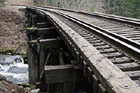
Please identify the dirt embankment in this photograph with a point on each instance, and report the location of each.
(12, 36)
(12, 31)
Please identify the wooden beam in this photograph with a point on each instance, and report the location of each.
(60, 73)
(43, 24)
(46, 31)
(102, 89)
(50, 43)
(41, 14)
(34, 20)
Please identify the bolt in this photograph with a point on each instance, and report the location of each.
(13, 91)
(133, 73)
(114, 58)
(52, 75)
(126, 86)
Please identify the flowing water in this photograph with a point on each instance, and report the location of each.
(13, 67)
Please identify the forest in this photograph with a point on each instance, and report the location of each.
(128, 8)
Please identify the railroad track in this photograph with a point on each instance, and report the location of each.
(120, 52)
(120, 25)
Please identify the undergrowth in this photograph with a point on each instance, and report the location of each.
(2, 1)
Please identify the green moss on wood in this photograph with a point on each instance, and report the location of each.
(31, 29)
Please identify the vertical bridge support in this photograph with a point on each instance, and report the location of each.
(48, 63)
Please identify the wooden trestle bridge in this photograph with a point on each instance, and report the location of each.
(77, 52)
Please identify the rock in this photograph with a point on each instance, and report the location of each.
(13, 91)
(35, 91)
(16, 37)
(18, 60)
(21, 89)
(25, 85)
(2, 78)
(7, 86)
(17, 70)
(27, 90)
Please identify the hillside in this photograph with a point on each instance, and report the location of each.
(128, 8)
(83, 5)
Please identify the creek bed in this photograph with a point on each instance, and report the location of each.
(13, 68)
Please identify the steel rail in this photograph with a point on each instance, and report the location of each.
(124, 39)
(128, 46)
(107, 16)
(131, 21)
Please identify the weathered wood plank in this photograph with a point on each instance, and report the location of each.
(50, 43)
(34, 20)
(60, 73)
(46, 31)
(33, 66)
(101, 89)
(89, 75)
(85, 68)
(32, 59)
(129, 66)
(42, 62)
(69, 87)
(30, 20)
(133, 74)
(43, 25)
(95, 83)
(112, 78)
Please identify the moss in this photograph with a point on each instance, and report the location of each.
(1, 31)
(21, 30)
(22, 53)
(31, 85)
(92, 9)
(61, 6)
(7, 51)
(13, 51)
(31, 29)
(2, 1)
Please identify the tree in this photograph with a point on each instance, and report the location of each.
(129, 8)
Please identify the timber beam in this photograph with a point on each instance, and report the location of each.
(46, 31)
(43, 24)
(48, 43)
(59, 73)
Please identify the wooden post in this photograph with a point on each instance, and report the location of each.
(32, 52)
(33, 65)
(41, 62)
(30, 20)
(34, 20)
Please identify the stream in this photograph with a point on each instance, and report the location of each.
(13, 68)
